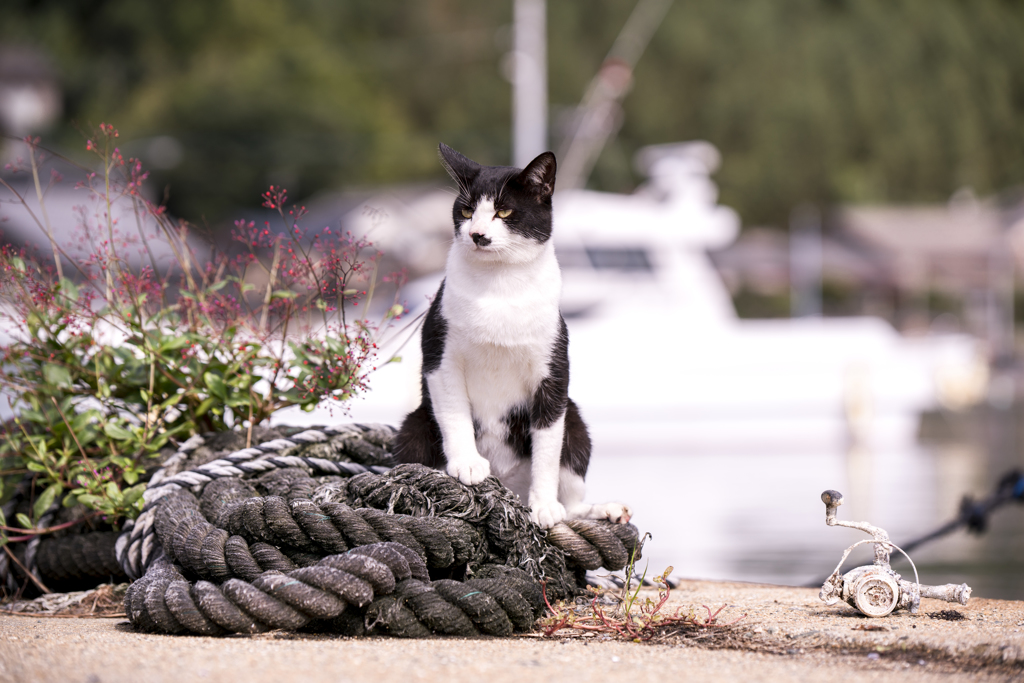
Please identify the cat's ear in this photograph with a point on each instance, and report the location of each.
(539, 175)
(461, 169)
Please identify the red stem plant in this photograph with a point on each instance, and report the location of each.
(131, 338)
(635, 618)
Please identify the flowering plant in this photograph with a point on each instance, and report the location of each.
(132, 337)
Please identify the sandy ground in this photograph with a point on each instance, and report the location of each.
(786, 635)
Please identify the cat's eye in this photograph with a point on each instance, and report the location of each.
(504, 213)
(467, 213)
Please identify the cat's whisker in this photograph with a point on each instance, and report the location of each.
(502, 189)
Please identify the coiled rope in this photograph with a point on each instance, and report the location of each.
(225, 546)
(377, 588)
(294, 516)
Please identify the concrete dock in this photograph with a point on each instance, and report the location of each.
(788, 634)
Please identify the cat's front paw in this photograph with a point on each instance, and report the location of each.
(619, 513)
(546, 515)
(470, 471)
(616, 513)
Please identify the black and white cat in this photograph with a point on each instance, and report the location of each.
(495, 350)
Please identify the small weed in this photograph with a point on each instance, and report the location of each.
(635, 618)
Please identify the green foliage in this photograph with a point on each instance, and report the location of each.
(809, 100)
(107, 371)
(840, 101)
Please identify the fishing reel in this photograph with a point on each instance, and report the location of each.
(876, 590)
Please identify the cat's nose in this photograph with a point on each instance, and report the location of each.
(479, 239)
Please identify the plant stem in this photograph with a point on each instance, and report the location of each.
(38, 582)
(270, 287)
(50, 529)
(42, 209)
(70, 429)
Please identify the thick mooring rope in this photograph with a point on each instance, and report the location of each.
(414, 491)
(135, 549)
(286, 534)
(228, 549)
(384, 584)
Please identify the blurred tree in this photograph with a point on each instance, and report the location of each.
(309, 93)
(824, 101)
(809, 100)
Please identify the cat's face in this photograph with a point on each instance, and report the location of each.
(501, 214)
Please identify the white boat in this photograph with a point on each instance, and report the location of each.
(659, 357)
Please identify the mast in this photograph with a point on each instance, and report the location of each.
(529, 81)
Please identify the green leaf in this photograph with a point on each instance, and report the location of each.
(217, 286)
(88, 499)
(3, 518)
(205, 405)
(283, 294)
(172, 400)
(216, 385)
(81, 420)
(174, 343)
(45, 499)
(131, 476)
(112, 491)
(69, 288)
(56, 375)
(133, 494)
(35, 466)
(24, 521)
(115, 431)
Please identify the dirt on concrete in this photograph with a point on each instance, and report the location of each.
(786, 634)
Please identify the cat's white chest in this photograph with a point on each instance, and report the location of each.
(510, 307)
(502, 324)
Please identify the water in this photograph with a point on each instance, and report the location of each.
(756, 515)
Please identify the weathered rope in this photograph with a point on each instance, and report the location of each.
(254, 544)
(254, 534)
(294, 517)
(385, 582)
(79, 557)
(135, 548)
(266, 537)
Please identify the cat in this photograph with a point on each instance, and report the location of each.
(495, 374)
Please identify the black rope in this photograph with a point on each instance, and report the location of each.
(282, 535)
(974, 515)
(385, 583)
(248, 555)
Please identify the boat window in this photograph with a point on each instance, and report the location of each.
(619, 259)
(606, 258)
